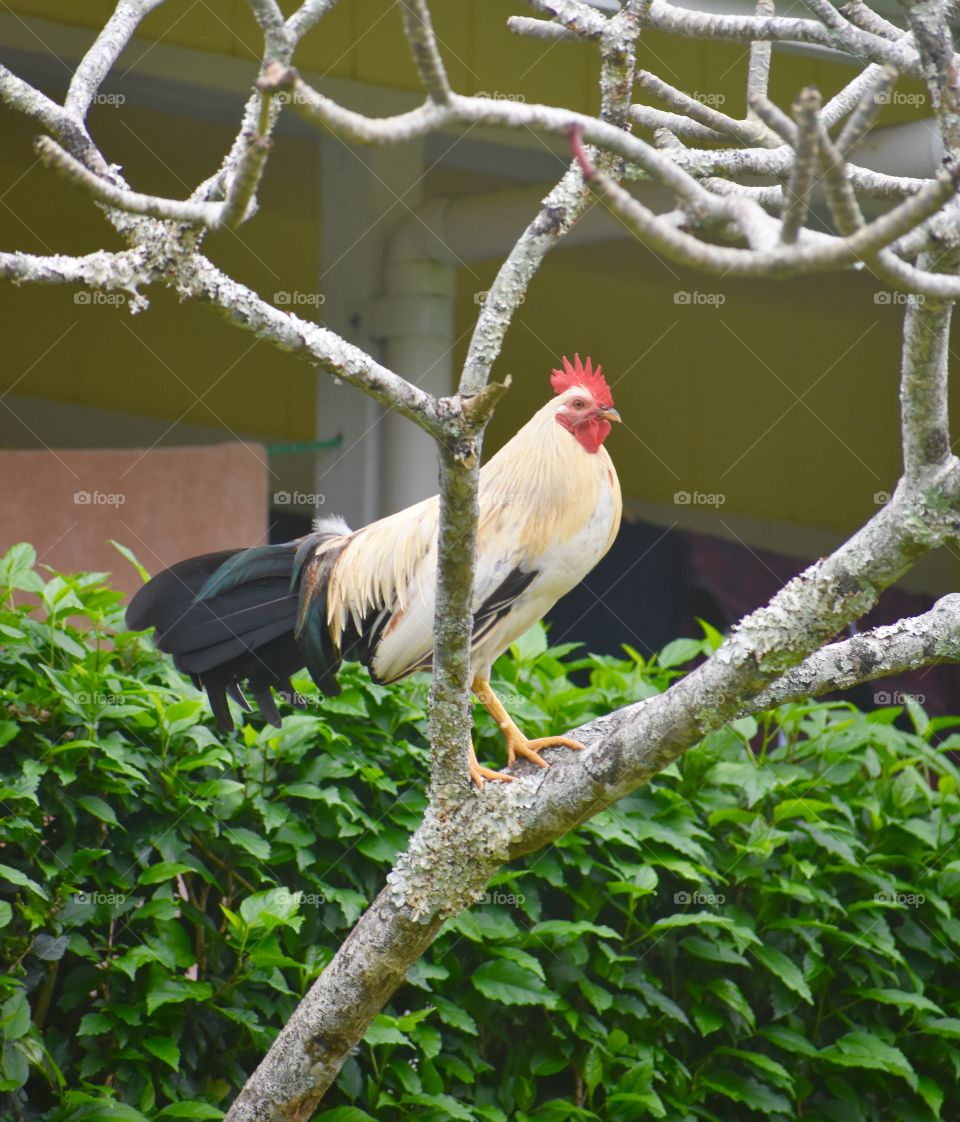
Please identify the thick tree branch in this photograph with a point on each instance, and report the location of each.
(909, 644)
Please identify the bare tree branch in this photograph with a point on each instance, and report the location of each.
(717, 225)
(423, 46)
(803, 173)
(909, 644)
(107, 48)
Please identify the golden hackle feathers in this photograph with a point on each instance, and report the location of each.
(540, 488)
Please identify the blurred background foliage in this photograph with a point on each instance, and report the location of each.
(765, 930)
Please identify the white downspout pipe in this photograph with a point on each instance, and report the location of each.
(415, 316)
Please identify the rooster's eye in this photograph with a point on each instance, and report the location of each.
(578, 403)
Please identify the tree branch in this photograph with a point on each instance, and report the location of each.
(418, 28)
(804, 171)
(107, 48)
(909, 644)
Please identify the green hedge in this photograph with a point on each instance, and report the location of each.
(754, 934)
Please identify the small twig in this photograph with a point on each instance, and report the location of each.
(775, 119)
(418, 27)
(747, 132)
(574, 16)
(758, 67)
(868, 20)
(819, 254)
(841, 197)
(132, 202)
(539, 29)
(306, 16)
(804, 171)
(97, 63)
(680, 125)
(867, 109)
(243, 186)
(694, 24)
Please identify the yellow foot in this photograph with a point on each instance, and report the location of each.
(518, 745)
(478, 773)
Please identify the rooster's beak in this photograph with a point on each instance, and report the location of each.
(610, 415)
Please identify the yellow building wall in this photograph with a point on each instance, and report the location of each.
(179, 362)
(783, 400)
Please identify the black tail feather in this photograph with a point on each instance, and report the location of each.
(229, 619)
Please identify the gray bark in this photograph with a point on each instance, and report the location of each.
(780, 652)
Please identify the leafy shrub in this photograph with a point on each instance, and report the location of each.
(765, 930)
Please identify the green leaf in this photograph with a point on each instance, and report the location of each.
(164, 1049)
(931, 1093)
(15, 1016)
(511, 984)
(16, 568)
(761, 1062)
(903, 999)
(445, 1103)
(94, 805)
(384, 1030)
(164, 990)
(163, 871)
(783, 969)
(680, 651)
(567, 930)
(190, 1108)
(864, 1050)
(748, 1091)
(129, 555)
(94, 1024)
(16, 877)
(254, 844)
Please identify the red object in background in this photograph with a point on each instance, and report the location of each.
(163, 503)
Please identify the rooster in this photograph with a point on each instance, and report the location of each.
(550, 508)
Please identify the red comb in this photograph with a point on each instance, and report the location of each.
(577, 373)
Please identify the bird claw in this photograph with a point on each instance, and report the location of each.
(478, 773)
(531, 749)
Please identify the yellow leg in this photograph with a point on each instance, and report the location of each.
(478, 773)
(517, 743)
